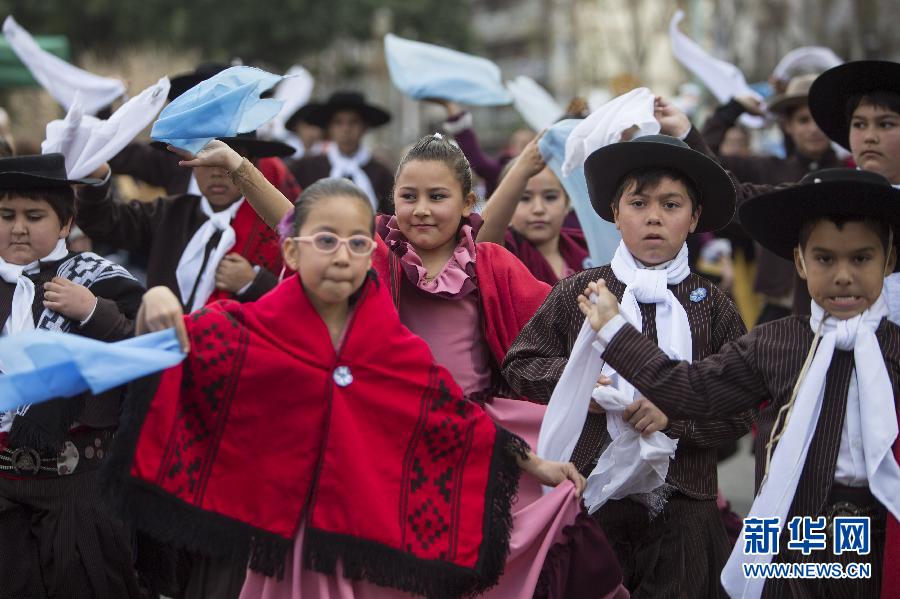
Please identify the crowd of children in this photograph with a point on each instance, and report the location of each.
(369, 362)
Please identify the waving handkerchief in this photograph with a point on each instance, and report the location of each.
(723, 79)
(87, 142)
(602, 237)
(422, 71)
(631, 464)
(41, 365)
(221, 106)
(295, 91)
(804, 61)
(534, 104)
(605, 126)
(61, 79)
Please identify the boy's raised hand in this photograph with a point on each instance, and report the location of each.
(215, 153)
(672, 121)
(603, 309)
(161, 310)
(645, 417)
(74, 301)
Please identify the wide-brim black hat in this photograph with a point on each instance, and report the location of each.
(251, 145)
(41, 171)
(605, 168)
(301, 115)
(185, 81)
(833, 89)
(774, 219)
(319, 114)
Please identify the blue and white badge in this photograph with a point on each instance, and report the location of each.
(698, 295)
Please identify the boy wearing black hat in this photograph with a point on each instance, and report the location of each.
(203, 247)
(345, 118)
(57, 538)
(657, 191)
(831, 379)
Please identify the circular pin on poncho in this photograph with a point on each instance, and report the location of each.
(342, 376)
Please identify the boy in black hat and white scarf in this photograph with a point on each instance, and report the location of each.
(345, 118)
(58, 540)
(670, 542)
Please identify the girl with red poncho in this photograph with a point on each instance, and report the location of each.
(468, 302)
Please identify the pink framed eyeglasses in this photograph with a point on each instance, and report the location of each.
(328, 243)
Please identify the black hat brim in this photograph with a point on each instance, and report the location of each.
(320, 114)
(300, 115)
(774, 219)
(260, 148)
(605, 168)
(19, 180)
(255, 148)
(833, 89)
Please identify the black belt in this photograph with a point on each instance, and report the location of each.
(844, 501)
(82, 451)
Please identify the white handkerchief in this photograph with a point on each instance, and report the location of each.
(61, 79)
(605, 126)
(633, 463)
(534, 103)
(87, 142)
(723, 79)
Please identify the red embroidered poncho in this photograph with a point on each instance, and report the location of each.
(373, 445)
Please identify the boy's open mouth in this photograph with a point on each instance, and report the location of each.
(845, 300)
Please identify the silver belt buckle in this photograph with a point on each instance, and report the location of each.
(25, 461)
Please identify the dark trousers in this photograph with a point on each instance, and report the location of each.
(58, 540)
(678, 554)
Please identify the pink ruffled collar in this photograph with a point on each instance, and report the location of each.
(453, 277)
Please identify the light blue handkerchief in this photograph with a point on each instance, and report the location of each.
(426, 71)
(222, 106)
(602, 236)
(40, 365)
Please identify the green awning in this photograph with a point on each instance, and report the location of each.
(14, 74)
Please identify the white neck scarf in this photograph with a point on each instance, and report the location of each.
(188, 271)
(650, 286)
(878, 418)
(350, 167)
(21, 317)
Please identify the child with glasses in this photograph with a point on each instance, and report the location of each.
(352, 430)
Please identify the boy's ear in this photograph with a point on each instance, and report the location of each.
(469, 203)
(799, 264)
(66, 228)
(291, 253)
(615, 210)
(891, 261)
(695, 218)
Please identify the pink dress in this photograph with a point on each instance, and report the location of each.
(445, 312)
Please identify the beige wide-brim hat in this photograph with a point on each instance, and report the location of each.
(796, 94)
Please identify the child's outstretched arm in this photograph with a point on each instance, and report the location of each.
(551, 473)
(269, 203)
(502, 204)
(723, 384)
